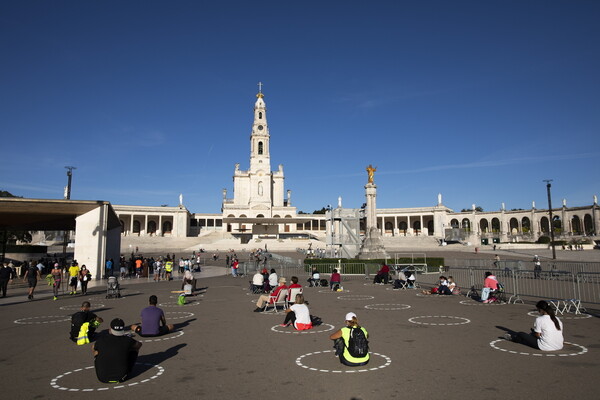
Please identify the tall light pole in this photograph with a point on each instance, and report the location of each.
(68, 187)
(548, 186)
(67, 197)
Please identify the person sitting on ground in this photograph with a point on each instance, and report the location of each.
(258, 281)
(270, 298)
(454, 289)
(298, 315)
(490, 283)
(154, 322)
(351, 345)
(314, 277)
(273, 278)
(115, 354)
(400, 282)
(383, 275)
(84, 324)
(336, 280)
(443, 286)
(547, 332)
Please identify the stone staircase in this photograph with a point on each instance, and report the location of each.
(410, 242)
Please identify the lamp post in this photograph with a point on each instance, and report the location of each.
(67, 197)
(548, 186)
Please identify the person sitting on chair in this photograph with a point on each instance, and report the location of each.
(490, 283)
(258, 280)
(400, 282)
(270, 297)
(294, 285)
(383, 275)
(154, 322)
(314, 278)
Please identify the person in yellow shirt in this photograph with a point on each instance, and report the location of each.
(73, 275)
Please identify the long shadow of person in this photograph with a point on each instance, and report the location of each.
(148, 361)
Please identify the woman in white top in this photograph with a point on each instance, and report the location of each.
(273, 281)
(547, 332)
(298, 315)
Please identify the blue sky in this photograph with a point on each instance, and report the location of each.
(478, 100)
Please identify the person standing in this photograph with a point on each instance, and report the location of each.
(115, 354)
(73, 277)
(7, 274)
(84, 277)
(57, 276)
(234, 267)
(84, 324)
(109, 267)
(32, 275)
(168, 269)
(537, 267)
(153, 320)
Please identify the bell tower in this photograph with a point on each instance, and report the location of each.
(260, 158)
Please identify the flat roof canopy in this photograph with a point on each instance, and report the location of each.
(48, 215)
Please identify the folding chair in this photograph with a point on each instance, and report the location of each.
(293, 293)
(280, 300)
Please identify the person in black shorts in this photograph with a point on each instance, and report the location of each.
(32, 275)
(115, 354)
(153, 321)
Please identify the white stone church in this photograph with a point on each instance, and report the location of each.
(261, 208)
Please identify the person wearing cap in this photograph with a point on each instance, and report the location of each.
(270, 297)
(115, 354)
(84, 324)
(57, 276)
(154, 322)
(342, 340)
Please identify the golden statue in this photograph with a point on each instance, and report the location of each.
(371, 172)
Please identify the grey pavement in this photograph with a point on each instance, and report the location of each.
(221, 349)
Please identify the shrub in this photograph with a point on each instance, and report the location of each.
(544, 240)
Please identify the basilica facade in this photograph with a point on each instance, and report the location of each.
(261, 208)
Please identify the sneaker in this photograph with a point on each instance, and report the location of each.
(284, 325)
(485, 301)
(508, 337)
(257, 309)
(55, 298)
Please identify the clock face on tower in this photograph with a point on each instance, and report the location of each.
(260, 127)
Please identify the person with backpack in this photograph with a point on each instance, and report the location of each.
(350, 343)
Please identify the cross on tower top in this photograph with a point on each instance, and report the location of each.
(260, 85)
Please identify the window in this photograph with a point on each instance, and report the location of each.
(259, 115)
(260, 147)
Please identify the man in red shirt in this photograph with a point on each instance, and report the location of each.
(270, 297)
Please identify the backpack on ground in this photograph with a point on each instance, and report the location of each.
(324, 282)
(358, 345)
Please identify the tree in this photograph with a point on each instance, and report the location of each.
(478, 209)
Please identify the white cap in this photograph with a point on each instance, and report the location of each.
(349, 316)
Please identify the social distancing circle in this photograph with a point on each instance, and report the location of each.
(439, 320)
(356, 297)
(477, 303)
(387, 307)
(168, 336)
(290, 329)
(77, 307)
(570, 349)
(377, 361)
(46, 319)
(179, 314)
(55, 382)
(175, 304)
(563, 316)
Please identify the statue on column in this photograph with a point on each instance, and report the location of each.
(371, 172)
(439, 199)
(180, 199)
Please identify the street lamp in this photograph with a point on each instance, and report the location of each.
(548, 186)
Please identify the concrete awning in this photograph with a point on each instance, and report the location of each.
(48, 214)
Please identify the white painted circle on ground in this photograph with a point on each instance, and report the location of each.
(387, 307)
(55, 385)
(46, 319)
(176, 296)
(174, 303)
(290, 329)
(332, 291)
(539, 353)
(376, 284)
(364, 368)
(77, 307)
(356, 297)
(563, 316)
(179, 314)
(477, 303)
(416, 320)
(168, 336)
